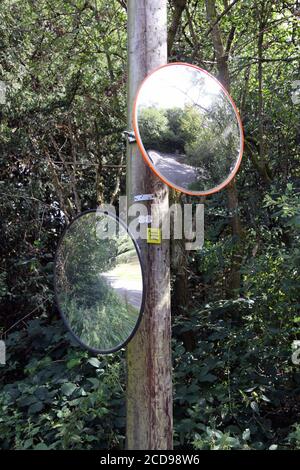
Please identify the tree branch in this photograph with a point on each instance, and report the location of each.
(179, 8)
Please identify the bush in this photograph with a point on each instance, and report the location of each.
(54, 395)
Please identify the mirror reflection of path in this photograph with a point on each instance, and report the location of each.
(170, 166)
(126, 281)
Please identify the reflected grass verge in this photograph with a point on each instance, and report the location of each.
(102, 322)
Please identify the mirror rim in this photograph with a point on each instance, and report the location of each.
(144, 153)
(56, 294)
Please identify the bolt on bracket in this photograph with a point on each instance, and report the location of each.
(130, 135)
(143, 197)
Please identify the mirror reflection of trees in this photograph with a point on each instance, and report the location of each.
(188, 125)
(98, 282)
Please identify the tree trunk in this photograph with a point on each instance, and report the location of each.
(262, 12)
(234, 281)
(149, 379)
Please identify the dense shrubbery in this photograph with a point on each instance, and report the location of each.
(235, 383)
(237, 389)
(57, 396)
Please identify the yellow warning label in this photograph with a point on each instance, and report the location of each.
(154, 235)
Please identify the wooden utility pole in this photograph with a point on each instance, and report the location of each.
(149, 369)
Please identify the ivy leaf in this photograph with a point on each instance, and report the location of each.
(35, 408)
(94, 362)
(41, 446)
(68, 388)
(208, 378)
(28, 443)
(254, 407)
(246, 434)
(273, 447)
(73, 362)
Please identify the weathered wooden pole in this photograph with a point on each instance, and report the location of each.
(149, 369)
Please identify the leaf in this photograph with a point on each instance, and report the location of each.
(95, 382)
(28, 443)
(94, 362)
(42, 393)
(68, 388)
(73, 362)
(254, 407)
(208, 378)
(41, 446)
(273, 447)
(26, 401)
(246, 434)
(35, 408)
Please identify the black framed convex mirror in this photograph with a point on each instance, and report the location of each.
(99, 281)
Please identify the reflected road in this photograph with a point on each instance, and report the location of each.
(172, 167)
(126, 281)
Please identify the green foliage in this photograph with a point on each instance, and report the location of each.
(104, 323)
(63, 399)
(64, 65)
(154, 125)
(293, 439)
(234, 385)
(240, 380)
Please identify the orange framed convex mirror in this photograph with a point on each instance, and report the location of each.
(188, 129)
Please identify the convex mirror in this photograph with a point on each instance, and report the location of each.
(99, 282)
(188, 129)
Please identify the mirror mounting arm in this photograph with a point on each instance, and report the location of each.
(130, 135)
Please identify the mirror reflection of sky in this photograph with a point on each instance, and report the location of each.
(180, 86)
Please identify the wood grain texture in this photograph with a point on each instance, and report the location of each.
(149, 369)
